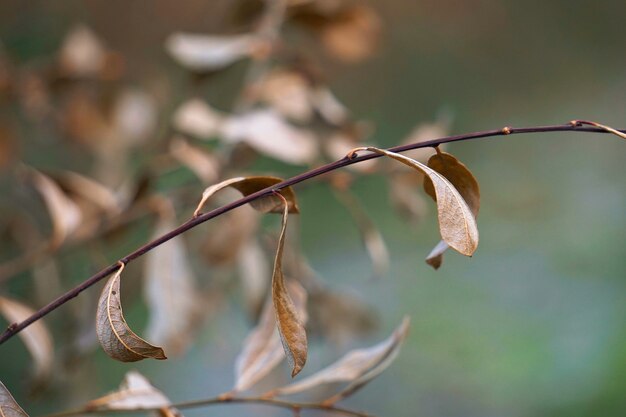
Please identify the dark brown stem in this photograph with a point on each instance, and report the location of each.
(17, 327)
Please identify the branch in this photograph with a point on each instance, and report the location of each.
(221, 400)
(574, 126)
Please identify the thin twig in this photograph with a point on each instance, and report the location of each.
(224, 400)
(14, 328)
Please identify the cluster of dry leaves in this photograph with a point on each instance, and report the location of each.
(285, 112)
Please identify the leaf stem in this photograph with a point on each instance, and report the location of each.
(15, 328)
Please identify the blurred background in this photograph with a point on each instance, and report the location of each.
(533, 324)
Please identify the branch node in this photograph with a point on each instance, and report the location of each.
(506, 130)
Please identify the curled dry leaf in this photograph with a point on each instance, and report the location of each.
(456, 220)
(36, 337)
(64, 213)
(8, 406)
(250, 185)
(465, 183)
(116, 338)
(205, 165)
(209, 53)
(262, 350)
(290, 323)
(268, 133)
(170, 291)
(357, 367)
(197, 118)
(135, 392)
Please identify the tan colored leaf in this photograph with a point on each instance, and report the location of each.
(170, 291)
(36, 337)
(268, 133)
(250, 185)
(210, 53)
(329, 107)
(289, 93)
(262, 350)
(290, 323)
(82, 53)
(465, 183)
(8, 406)
(354, 34)
(457, 224)
(357, 367)
(65, 214)
(135, 392)
(135, 116)
(116, 338)
(91, 190)
(197, 118)
(205, 165)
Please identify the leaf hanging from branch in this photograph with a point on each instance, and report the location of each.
(456, 221)
(262, 350)
(465, 183)
(250, 185)
(290, 324)
(357, 367)
(8, 406)
(116, 338)
(36, 337)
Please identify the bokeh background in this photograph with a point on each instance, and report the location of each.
(533, 324)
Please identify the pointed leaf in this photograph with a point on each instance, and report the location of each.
(36, 337)
(116, 338)
(8, 406)
(290, 322)
(195, 117)
(250, 185)
(262, 350)
(456, 221)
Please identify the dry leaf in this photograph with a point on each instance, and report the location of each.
(329, 107)
(262, 349)
(170, 291)
(290, 322)
(8, 406)
(357, 367)
(465, 183)
(289, 93)
(116, 338)
(250, 185)
(135, 392)
(210, 53)
(254, 275)
(353, 35)
(36, 337)
(197, 118)
(82, 54)
(135, 116)
(268, 133)
(456, 221)
(91, 190)
(65, 214)
(205, 165)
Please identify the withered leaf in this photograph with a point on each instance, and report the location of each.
(65, 214)
(456, 221)
(170, 291)
(357, 367)
(290, 323)
(116, 338)
(353, 34)
(262, 349)
(82, 53)
(205, 165)
(268, 133)
(250, 185)
(288, 92)
(135, 392)
(197, 118)
(36, 337)
(93, 191)
(209, 53)
(8, 406)
(466, 184)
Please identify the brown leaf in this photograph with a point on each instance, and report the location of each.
(116, 338)
(262, 350)
(466, 184)
(91, 190)
(289, 93)
(82, 53)
(170, 291)
(135, 392)
(197, 118)
(268, 133)
(210, 53)
(357, 367)
(205, 165)
(36, 337)
(250, 185)
(354, 34)
(456, 221)
(8, 406)
(290, 322)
